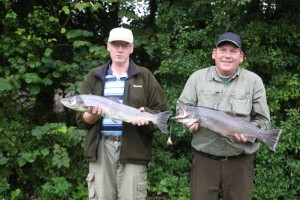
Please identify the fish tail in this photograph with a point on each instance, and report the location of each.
(162, 121)
(271, 138)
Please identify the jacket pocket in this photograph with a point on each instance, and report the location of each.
(241, 104)
(208, 99)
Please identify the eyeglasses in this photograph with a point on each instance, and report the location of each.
(117, 45)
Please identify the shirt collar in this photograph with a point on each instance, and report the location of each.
(214, 75)
(110, 72)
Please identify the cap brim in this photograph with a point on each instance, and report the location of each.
(221, 41)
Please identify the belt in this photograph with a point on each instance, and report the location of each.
(221, 158)
(113, 138)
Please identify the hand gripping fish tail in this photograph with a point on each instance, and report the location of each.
(162, 121)
(271, 138)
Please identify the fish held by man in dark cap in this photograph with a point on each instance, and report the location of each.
(225, 124)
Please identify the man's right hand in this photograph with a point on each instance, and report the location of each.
(92, 114)
(194, 127)
(95, 110)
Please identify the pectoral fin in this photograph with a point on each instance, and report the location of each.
(251, 139)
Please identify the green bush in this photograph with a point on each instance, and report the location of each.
(46, 162)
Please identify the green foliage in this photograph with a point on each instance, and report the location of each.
(43, 155)
(278, 174)
(58, 187)
(170, 178)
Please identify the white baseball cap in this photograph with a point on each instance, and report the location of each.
(121, 34)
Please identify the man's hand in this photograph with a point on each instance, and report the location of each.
(240, 137)
(138, 120)
(194, 127)
(92, 114)
(96, 110)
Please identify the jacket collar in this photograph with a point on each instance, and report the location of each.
(101, 71)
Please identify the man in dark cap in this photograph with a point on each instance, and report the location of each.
(221, 165)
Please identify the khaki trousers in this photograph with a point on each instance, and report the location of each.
(108, 179)
(233, 178)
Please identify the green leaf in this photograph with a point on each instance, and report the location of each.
(5, 85)
(20, 31)
(48, 52)
(35, 90)
(56, 74)
(47, 81)
(53, 19)
(15, 194)
(45, 152)
(62, 30)
(78, 33)
(34, 64)
(20, 61)
(3, 159)
(66, 10)
(122, 13)
(60, 158)
(82, 6)
(79, 43)
(27, 157)
(63, 129)
(32, 78)
(97, 6)
(52, 40)
(11, 15)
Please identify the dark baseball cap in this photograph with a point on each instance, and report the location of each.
(230, 37)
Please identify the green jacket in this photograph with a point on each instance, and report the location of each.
(244, 94)
(141, 90)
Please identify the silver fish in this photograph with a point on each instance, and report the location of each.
(225, 124)
(115, 110)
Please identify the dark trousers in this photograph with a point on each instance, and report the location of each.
(232, 178)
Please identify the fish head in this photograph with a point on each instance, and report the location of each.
(74, 102)
(184, 114)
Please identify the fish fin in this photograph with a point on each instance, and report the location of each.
(232, 114)
(250, 139)
(271, 138)
(202, 124)
(114, 120)
(162, 121)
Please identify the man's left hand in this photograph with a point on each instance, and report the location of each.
(138, 120)
(240, 137)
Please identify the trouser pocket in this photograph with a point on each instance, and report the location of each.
(140, 192)
(92, 191)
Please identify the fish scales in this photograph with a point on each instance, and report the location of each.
(114, 109)
(225, 123)
(233, 124)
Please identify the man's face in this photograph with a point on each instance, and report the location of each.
(227, 58)
(119, 51)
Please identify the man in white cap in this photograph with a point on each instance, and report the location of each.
(221, 165)
(119, 152)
